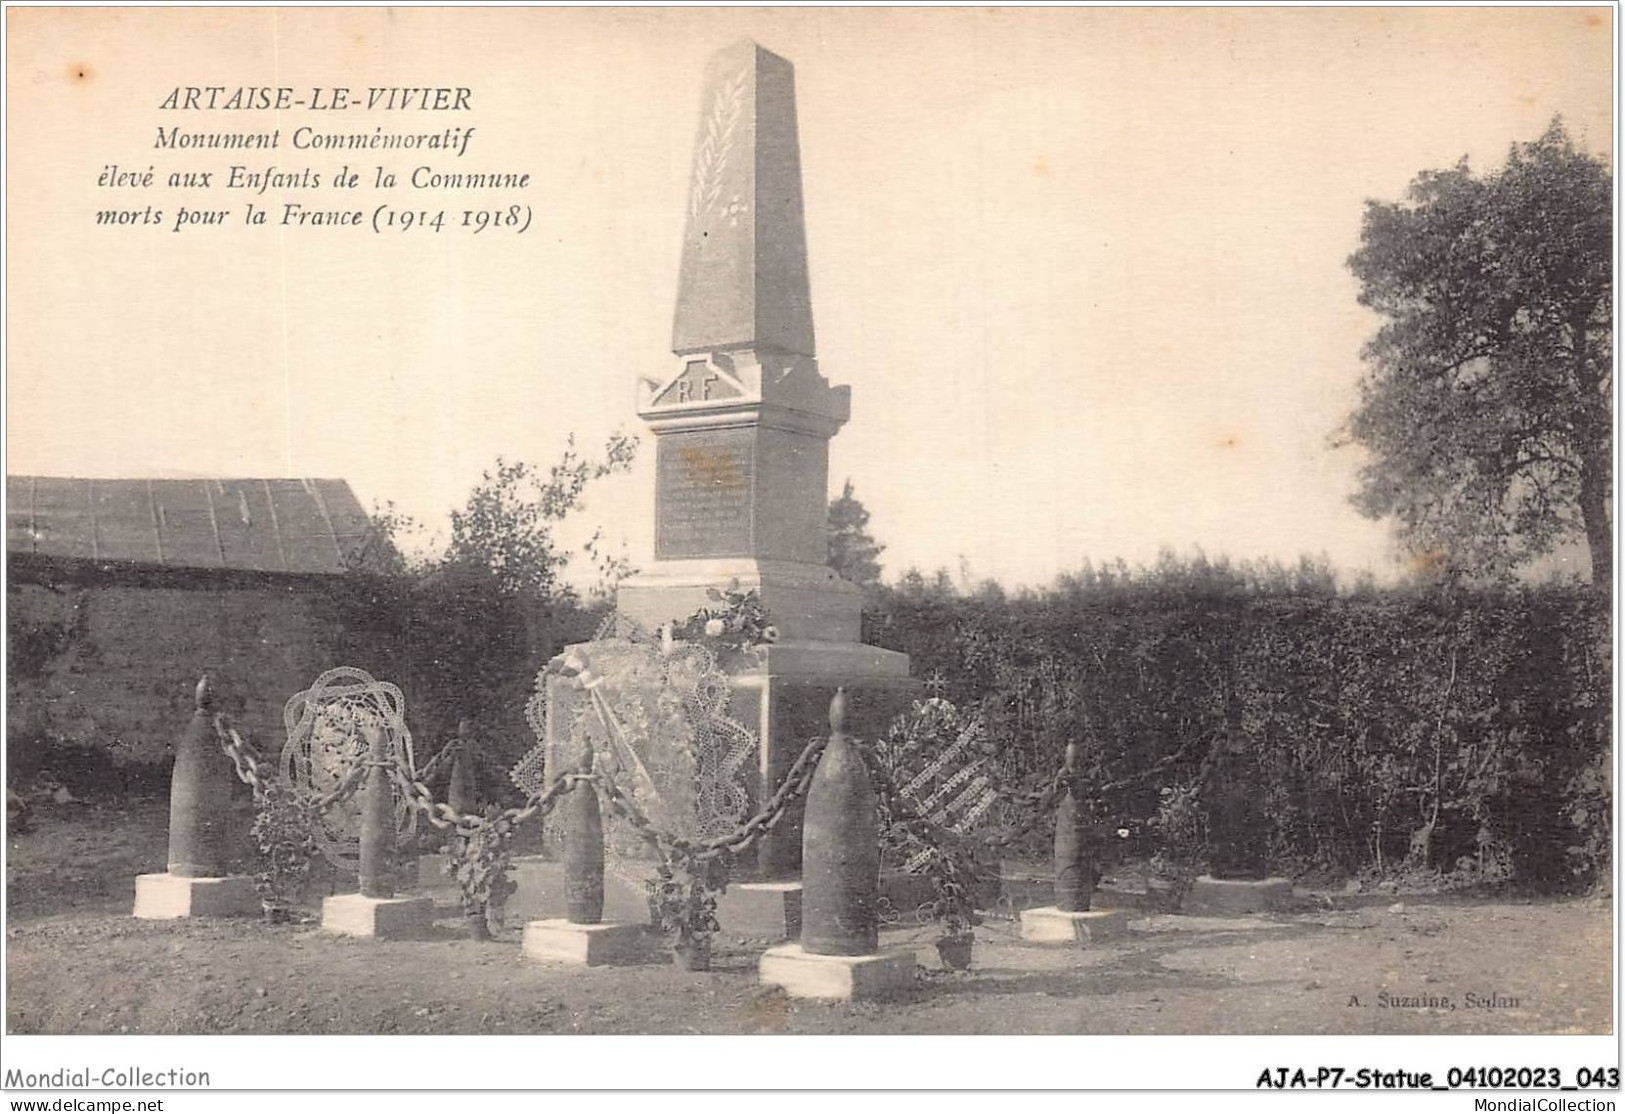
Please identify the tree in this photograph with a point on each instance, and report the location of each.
(505, 532)
(465, 631)
(915, 587)
(852, 552)
(1486, 402)
(379, 552)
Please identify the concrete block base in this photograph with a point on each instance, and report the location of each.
(1049, 925)
(382, 918)
(590, 945)
(839, 978)
(165, 896)
(1228, 897)
(761, 910)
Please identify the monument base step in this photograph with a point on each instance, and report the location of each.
(541, 891)
(808, 601)
(1220, 897)
(1056, 926)
(839, 978)
(381, 918)
(166, 896)
(761, 910)
(589, 945)
(1021, 888)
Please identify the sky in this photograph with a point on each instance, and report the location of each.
(1083, 269)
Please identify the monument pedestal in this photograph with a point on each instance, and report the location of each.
(382, 918)
(840, 978)
(792, 686)
(761, 910)
(1056, 926)
(589, 945)
(1228, 897)
(166, 896)
(432, 873)
(541, 890)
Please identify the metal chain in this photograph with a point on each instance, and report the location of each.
(1043, 800)
(242, 755)
(432, 766)
(443, 816)
(665, 844)
(249, 768)
(796, 782)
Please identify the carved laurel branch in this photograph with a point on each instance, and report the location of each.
(712, 159)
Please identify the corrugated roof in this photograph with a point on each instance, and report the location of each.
(265, 525)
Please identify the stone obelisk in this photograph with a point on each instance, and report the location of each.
(742, 423)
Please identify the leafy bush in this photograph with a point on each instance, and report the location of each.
(284, 834)
(1179, 835)
(481, 863)
(683, 895)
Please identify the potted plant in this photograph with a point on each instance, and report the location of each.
(683, 904)
(952, 871)
(284, 834)
(481, 862)
(947, 864)
(958, 939)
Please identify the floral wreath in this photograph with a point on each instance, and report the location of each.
(660, 694)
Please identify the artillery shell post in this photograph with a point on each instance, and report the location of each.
(196, 883)
(838, 956)
(376, 911)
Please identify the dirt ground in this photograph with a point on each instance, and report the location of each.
(76, 962)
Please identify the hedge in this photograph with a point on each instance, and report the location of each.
(1465, 733)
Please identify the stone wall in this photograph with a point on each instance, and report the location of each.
(124, 685)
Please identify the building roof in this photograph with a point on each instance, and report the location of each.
(257, 525)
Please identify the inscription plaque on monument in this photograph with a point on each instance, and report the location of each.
(703, 482)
